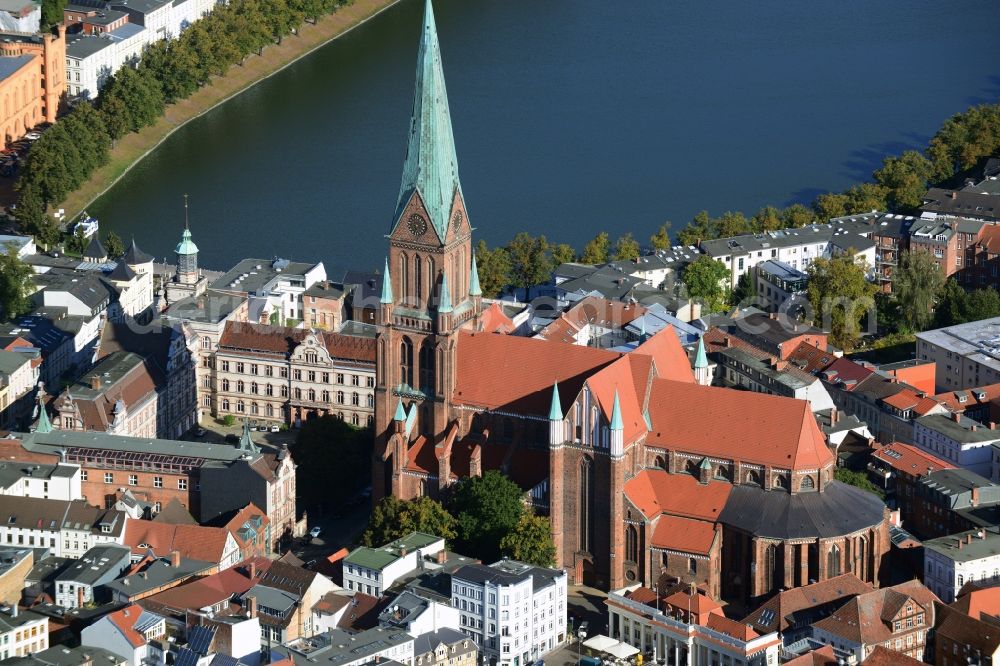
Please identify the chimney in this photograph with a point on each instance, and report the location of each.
(726, 342)
(974, 427)
(252, 569)
(402, 551)
(251, 605)
(993, 425)
(956, 417)
(968, 538)
(974, 496)
(442, 556)
(834, 415)
(95, 382)
(175, 559)
(953, 195)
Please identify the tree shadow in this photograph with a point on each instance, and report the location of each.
(863, 161)
(804, 195)
(989, 96)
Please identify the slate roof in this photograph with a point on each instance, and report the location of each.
(133, 255)
(11, 64)
(839, 509)
(803, 604)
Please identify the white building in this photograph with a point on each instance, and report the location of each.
(273, 286)
(92, 59)
(22, 633)
(673, 640)
(417, 615)
(515, 612)
(339, 648)
(958, 439)
(101, 564)
(23, 245)
(952, 561)
(67, 529)
(966, 355)
(779, 287)
(30, 479)
(132, 632)
(185, 12)
(374, 570)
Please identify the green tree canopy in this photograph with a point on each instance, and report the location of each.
(840, 297)
(905, 179)
(917, 281)
(797, 215)
(956, 306)
(596, 251)
(745, 293)
(731, 224)
(15, 285)
(114, 245)
(627, 248)
(394, 518)
(830, 205)
(697, 230)
(30, 213)
(767, 218)
(562, 253)
(858, 480)
(965, 139)
(529, 262)
(704, 279)
(661, 239)
(487, 508)
(530, 542)
(494, 268)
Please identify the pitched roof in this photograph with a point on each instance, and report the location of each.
(133, 255)
(705, 420)
(737, 630)
(131, 621)
(683, 534)
(656, 491)
(978, 601)
(909, 459)
(174, 513)
(846, 372)
(823, 656)
(495, 320)
(970, 631)
(194, 542)
(959, 401)
(213, 589)
(883, 656)
(862, 619)
(780, 611)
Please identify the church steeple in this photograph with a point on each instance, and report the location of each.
(431, 167)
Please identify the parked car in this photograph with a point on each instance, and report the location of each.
(315, 532)
(200, 432)
(32, 136)
(276, 428)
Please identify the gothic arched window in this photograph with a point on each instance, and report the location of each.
(586, 502)
(631, 544)
(404, 278)
(427, 369)
(833, 562)
(807, 483)
(406, 362)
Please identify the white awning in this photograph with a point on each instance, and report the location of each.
(622, 650)
(600, 642)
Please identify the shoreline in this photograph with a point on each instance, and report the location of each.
(136, 146)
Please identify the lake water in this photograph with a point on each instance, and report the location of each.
(570, 117)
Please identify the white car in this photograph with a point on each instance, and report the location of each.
(275, 428)
(315, 532)
(32, 136)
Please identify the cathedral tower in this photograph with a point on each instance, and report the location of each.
(428, 280)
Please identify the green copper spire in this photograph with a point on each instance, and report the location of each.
(186, 246)
(616, 414)
(44, 425)
(386, 285)
(555, 411)
(705, 464)
(431, 168)
(246, 442)
(474, 288)
(700, 360)
(445, 304)
(400, 412)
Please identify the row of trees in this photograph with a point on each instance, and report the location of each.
(963, 141)
(136, 96)
(483, 517)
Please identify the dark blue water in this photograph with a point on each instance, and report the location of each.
(570, 116)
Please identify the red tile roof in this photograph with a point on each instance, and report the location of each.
(910, 459)
(655, 492)
(846, 370)
(124, 620)
(976, 602)
(212, 589)
(863, 619)
(951, 398)
(811, 358)
(707, 420)
(823, 656)
(591, 310)
(724, 625)
(883, 656)
(717, 340)
(493, 320)
(787, 603)
(989, 238)
(683, 534)
(193, 542)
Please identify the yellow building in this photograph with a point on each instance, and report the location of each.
(32, 80)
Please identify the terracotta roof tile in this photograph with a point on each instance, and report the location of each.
(952, 399)
(976, 602)
(724, 625)
(861, 620)
(811, 358)
(655, 492)
(493, 320)
(910, 459)
(786, 604)
(989, 238)
(193, 542)
(125, 620)
(210, 590)
(823, 656)
(846, 371)
(955, 625)
(706, 420)
(883, 656)
(683, 534)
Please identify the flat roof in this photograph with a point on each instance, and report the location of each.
(254, 276)
(52, 442)
(983, 543)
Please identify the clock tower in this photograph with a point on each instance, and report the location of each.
(428, 277)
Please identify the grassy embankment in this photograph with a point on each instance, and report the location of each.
(136, 145)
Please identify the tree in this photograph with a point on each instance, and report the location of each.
(77, 242)
(745, 294)
(858, 480)
(15, 285)
(697, 230)
(627, 248)
(114, 245)
(964, 139)
(529, 263)
(704, 281)
(332, 461)
(487, 508)
(840, 297)
(30, 213)
(767, 218)
(394, 518)
(905, 178)
(917, 281)
(115, 117)
(561, 254)
(797, 215)
(494, 268)
(661, 239)
(952, 305)
(52, 12)
(596, 251)
(531, 542)
(831, 205)
(866, 197)
(731, 224)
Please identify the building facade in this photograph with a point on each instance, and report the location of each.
(33, 80)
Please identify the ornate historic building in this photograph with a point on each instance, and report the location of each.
(643, 472)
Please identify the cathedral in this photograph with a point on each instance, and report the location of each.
(646, 472)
